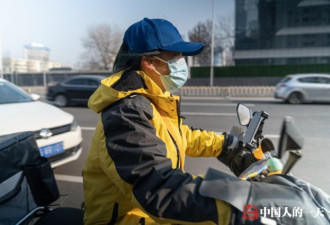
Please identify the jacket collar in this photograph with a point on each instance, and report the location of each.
(106, 95)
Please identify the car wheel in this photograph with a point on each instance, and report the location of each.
(295, 98)
(61, 101)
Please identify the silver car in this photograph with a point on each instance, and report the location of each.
(301, 88)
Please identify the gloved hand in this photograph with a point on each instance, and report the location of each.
(235, 156)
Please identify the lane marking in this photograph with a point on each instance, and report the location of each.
(79, 179)
(196, 113)
(88, 128)
(69, 178)
(266, 135)
(213, 104)
(272, 135)
(207, 114)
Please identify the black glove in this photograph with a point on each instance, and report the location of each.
(235, 156)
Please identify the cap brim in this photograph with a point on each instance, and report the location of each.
(187, 48)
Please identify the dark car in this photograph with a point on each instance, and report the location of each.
(76, 89)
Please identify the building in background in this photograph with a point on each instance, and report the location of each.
(36, 59)
(36, 51)
(279, 32)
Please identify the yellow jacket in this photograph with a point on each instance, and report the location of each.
(134, 172)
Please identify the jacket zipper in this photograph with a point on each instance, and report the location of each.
(179, 115)
(177, 150)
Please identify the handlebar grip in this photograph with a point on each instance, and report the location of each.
(258, 153)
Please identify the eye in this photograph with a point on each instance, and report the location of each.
(178, 54)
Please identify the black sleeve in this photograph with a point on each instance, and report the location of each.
(140, 160)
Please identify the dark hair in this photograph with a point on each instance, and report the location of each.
(126, 60)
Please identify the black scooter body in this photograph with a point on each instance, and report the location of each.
(277, 191)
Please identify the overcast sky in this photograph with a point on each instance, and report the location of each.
(61, 24)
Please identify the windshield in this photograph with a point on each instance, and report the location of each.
(285, 79)
(9, 93)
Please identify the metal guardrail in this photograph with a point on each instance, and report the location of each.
(229, 92)
(40, 90)
(192, 91)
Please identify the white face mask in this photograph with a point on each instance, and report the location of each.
(178, 75)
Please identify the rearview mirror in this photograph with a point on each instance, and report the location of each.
(291, 138)
(243, 114)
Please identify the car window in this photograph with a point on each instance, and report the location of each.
(309, 80)
(83, 81)
(324, 80)
(12, 94)
(315, 80)
(93, 82)
(76, 82)
(285, 79)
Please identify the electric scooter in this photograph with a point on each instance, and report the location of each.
(266, 192)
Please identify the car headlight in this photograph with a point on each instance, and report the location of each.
(74, 126)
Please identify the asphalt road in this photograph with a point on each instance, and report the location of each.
(219, 115)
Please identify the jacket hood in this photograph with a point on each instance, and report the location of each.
(120, 85)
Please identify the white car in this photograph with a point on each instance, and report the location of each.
(57, 133)
(301, 88)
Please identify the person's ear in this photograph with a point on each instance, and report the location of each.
(147, 62)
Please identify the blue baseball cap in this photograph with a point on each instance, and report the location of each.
(149, 35)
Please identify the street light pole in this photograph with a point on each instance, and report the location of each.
(212, 48)
(1, 69)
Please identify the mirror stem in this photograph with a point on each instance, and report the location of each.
(293, 158)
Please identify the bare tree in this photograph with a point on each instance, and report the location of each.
(101, 46)
(223, 39)
(226, 31)
(226, 37)
(202, 33)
